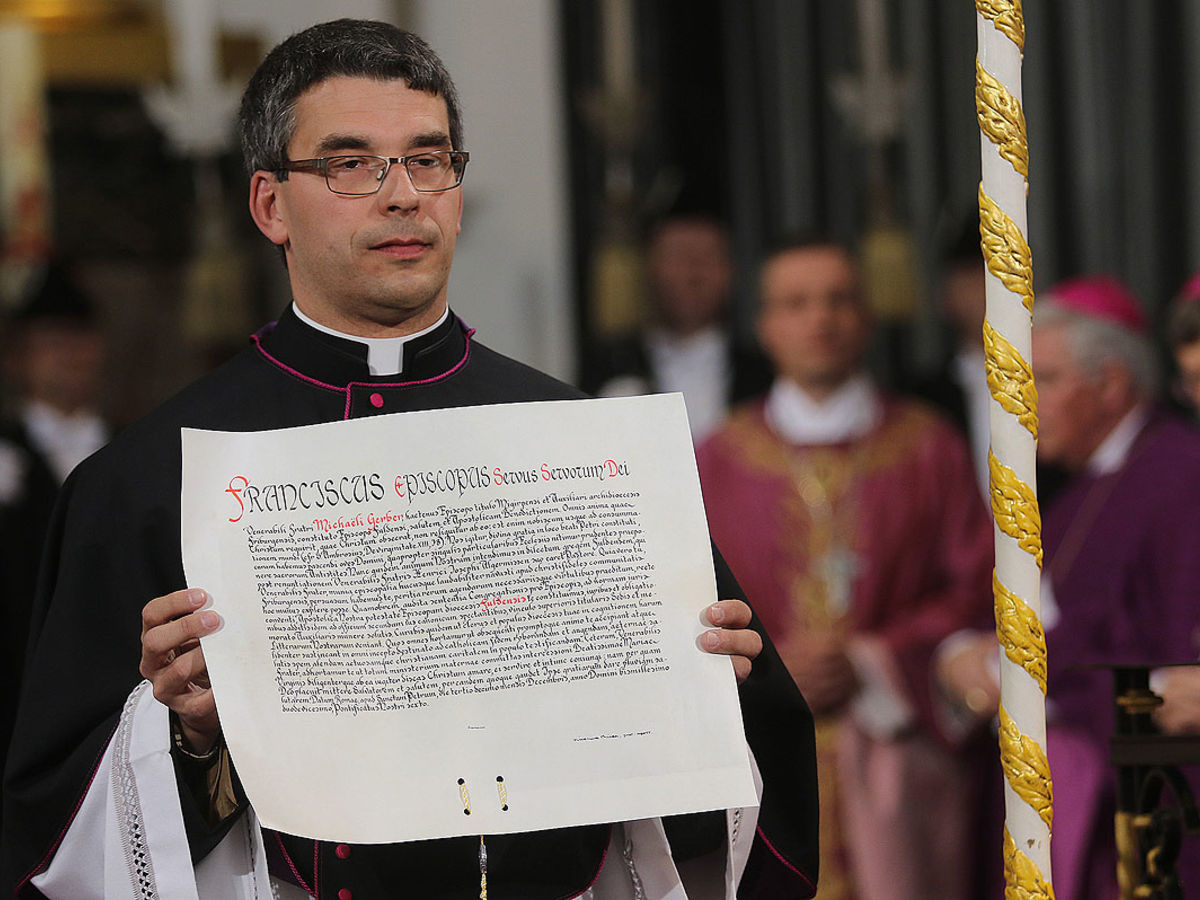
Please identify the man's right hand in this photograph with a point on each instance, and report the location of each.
(173, 662)
(822, 670)
(967, 674)
(1180, 713)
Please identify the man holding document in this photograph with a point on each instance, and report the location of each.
(124, 788)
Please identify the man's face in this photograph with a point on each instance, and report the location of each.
(1187, 358)
(690, 274)
(63, 365)
(366, 265)
(812, 323)
(1073, 418)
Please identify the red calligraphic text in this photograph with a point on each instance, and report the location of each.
(498, 600)
(374, 519)
(328, 525)
(236, 485)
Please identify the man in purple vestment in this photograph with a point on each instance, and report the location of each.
(1180, 713)
(1121, 579)
(854, 523)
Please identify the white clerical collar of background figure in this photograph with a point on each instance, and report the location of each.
(1112, 452)
(385, 356)
(847, 414)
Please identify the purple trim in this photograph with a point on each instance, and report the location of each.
(293, 372)
(347, 390)
(779, 856)
(45, 861)
(291, 865)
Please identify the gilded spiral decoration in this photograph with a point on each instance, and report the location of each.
(1026, 768)
(1005, 249)
(1015, 507)
(1005, 168)
(1009, 378)
(1020, 632)
(1001, 119)
(1022, 879)
(1007, 17)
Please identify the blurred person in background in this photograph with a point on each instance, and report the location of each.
(854, 522)
(1180, 688)
(1121, 574)
(687, 345)
(54, 358)
(28, 488)
(958, 386)
(56, 364)
(1183, 338)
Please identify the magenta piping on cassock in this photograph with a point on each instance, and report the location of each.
(292, 865)
(779, 856)
(257, 338)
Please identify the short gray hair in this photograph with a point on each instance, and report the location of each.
(349, 47)
(1095, 343)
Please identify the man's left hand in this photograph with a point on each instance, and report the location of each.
(1180, 713)
(732, 636)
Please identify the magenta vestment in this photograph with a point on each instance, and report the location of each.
(885, 540)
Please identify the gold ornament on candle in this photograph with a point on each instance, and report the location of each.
(1007, 17)
(1026, 768)
(1001, 119)
(1022, 877)
(1020, 632)
(1010, 378)
(1014, 505)
(1005, 249)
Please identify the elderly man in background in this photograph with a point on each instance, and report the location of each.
(853, 521)
(1122, 574)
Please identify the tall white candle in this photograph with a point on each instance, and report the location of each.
(1007, 338)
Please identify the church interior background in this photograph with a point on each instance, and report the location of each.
(585, 118)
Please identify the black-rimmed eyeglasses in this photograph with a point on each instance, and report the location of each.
(429, 173)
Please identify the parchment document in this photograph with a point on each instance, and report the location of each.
(464, 621)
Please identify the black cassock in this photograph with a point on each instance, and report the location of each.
(115, 544)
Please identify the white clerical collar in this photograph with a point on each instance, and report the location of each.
(849, 413)
(698, 366)
(1114, 449)
(65, 439)
(385, 356)
(968, 370)
(707, 339)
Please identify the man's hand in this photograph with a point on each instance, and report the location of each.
(732, 636)
(968, 676)
(822, 670)
(1180, 712)
(173, 662)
